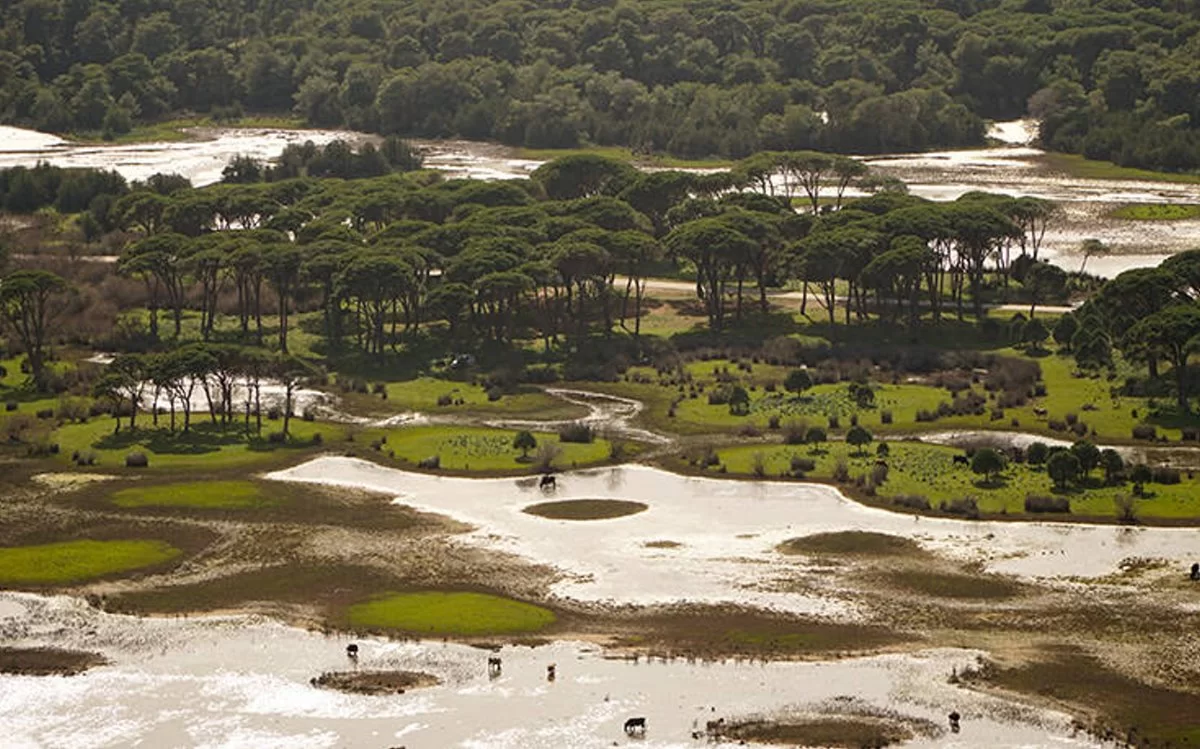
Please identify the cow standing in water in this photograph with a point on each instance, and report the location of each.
(548, 482)
(635, 727)
(1196, 571)
(493, 666)
(954, 719)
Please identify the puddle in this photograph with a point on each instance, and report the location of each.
(609, 414)
(728, 531)
(244, 682)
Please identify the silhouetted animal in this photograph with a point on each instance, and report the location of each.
(548, 482)
(1196, 571)
(635, 726)
(961, 460)
(714, 728)
(954, 718)
(1039, 411)
(352, 650)
(550, 672)
(493, 665)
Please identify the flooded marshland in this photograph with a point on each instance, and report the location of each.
(245, 682)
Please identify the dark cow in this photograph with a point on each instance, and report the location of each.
(635, 727)
(493, 665)
(548, 482)
(551, 672)
(954, 718)
(715, 729)
(352, 651)
(1196, 571)
(961, 460)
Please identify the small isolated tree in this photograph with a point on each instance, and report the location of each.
(859, 437)
(1065, 330)
(862, 394)
(739, 401)
(1063, 468)
(882, 451)
(988, 462)
(815, 436)
(1088, 455)
(1114, 466)
(1140, 476)
(29, 303)
(1125, 508)
(1035, 333)
(524, 441)
(798, 381)
(1037, 453)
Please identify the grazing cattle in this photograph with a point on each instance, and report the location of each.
(548, 482)
(961, 460)
(635, 727)
(551, 672)
(352, 651)
(1196, 571)
(954, 718)
(493, 665)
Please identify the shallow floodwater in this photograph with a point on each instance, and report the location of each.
(1013, 167)
(200, 160)
(243, 682)
(727, 532)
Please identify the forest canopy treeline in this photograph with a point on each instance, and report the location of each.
(1115, 79)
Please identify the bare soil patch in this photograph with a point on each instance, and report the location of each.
(375, 682)
(585, 509)
(851, 733)
(865, 543)
(47, 661)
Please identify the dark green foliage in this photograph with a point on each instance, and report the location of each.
(988, 462)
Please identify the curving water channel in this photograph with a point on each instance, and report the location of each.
(244, 682)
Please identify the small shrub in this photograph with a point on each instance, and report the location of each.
(841, 471)
(432, 463)
(1071, 418)
(1079, 429)
(924, 414)
(1057, 426)
(749, 430)
(912, 502)
(833, 422)
(758, 464)
(1190, 434)
(309, 414)
(45, 413)
(494, 394)
(137, 460)
(885, 416)
(815, 436)
(617, 450)
(879, 474)
(1145, 432)
(581, 433)
(378, 388)
(773, 422)
(10, 405)
(801, 465)
(273, 413)
(1046, 503)
(84, 458)
(965, 506)
(794, 433)
(1164, 475)
(445, 399)
(317, 439)
(276, 438)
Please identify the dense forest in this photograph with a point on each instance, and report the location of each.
(1114, 79)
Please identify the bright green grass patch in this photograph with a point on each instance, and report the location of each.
(621, 154)
(72, 561)
(1078, 166)
(437, 613)
(929, 471)
(205, 445)
(461, 448)
(422, 394)
(1156, 212)
(216, 495)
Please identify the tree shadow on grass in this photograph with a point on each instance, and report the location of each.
(994, 482)
(200, 439)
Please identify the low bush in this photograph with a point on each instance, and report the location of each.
(445, 399)
(833, 422)
(885, 416)
(273, 413)
(773, 422)
(10, 405)
(1046, 503)
(137, 460)
(1164, 475)
(494, 394)
(965, 506)
(317, 439)
(45, 413)
(911, 501)
(926, 415)
(801, 465)
(1145, 432)
(433, 462)
(1190, 434)
(581, 433)
(1056, 425)
(276, 438)
(794, 433)
(841, 471)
